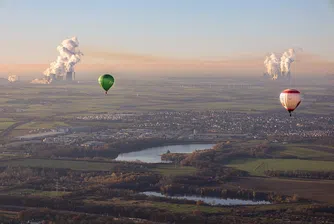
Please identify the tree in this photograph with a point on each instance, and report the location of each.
(199, 203)
(295, 198)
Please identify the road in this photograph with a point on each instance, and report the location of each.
(8, 130)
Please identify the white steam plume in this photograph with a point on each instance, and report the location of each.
(272, 64)
(280, 68)
(287, 58)
(69, 56)
(13, 78)
(40, 81)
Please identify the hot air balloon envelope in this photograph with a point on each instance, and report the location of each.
(106, 81)
(290, 99)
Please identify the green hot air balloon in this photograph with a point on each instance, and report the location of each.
(106, 81)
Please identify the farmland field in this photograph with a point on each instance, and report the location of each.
(320, 190)
(32, 192)
(41, 125)
(171, 170)
(258, 166)
(5, 124)
(53, 163)
(309, 151)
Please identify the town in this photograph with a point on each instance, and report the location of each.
(197, 126)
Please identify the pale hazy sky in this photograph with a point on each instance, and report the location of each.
(187, 29)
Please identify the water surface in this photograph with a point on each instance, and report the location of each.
(210, 200)
(153, 155)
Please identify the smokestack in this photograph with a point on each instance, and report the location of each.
(69, 76)
(73, 75)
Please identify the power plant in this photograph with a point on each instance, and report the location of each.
(53, 78)
(279, 67)
(63, 67)
(69, 76)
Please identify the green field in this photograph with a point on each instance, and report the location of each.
(5, 124)
(7, 155)
(67, 164)
(307, 151)
(6, 120)
(258, 166)
(164, 169)
(40, 125)
(32, 192)
(171, 170)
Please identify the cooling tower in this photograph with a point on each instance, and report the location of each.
(53, 77)
(69, 76)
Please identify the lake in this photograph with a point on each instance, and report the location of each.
(153, 155)
(210, 200)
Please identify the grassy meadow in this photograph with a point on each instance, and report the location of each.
(258, 166)
(67, 164)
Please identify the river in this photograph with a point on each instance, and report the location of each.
(210, 200)
(153, 155)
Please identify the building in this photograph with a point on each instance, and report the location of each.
(69, 76)
(62, 129)
(53, 77)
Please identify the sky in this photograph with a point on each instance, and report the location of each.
(180, 35)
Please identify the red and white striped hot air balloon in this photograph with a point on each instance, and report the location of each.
(290, 99)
